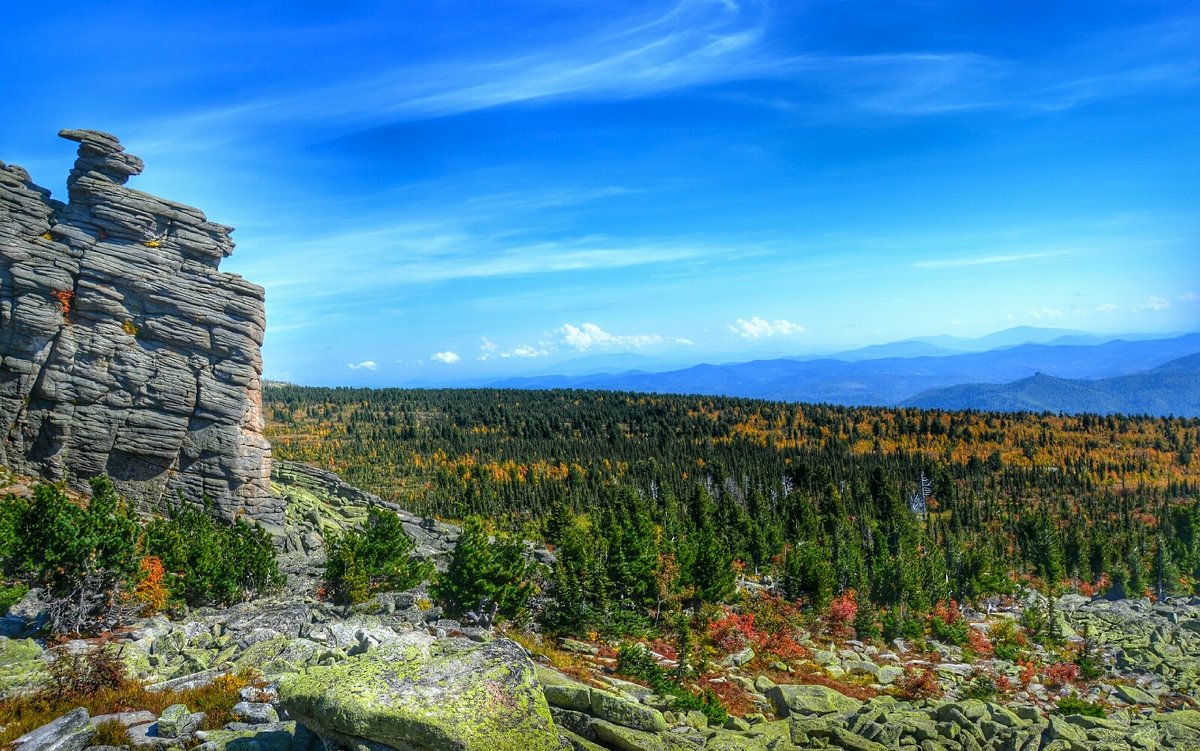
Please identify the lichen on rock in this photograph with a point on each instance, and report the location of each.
(455, 694)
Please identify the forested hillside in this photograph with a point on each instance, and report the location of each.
(647, 488)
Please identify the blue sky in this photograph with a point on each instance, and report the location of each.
(441, 190)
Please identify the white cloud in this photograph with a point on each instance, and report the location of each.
(760, 328)
(447, 357)
(490, 351)
(364, 365)
(1105, 308)
(1189, 297)
(1046, 313)
(590, 336)
(1153, 303)
(683, 341)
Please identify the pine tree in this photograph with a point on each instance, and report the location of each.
(377, 557)
(483, 572)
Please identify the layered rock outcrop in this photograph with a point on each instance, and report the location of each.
(125, 351)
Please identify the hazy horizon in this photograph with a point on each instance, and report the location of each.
(440, 193)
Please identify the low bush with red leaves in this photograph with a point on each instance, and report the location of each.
(733, 632)
(778, 625)
(840, 615)
(1061, 674)
(978, 643)
(918, 683)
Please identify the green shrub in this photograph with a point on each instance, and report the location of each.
(982, 687)
(954, 633)
(635, 661)
(897, 625)
(11, 595)
(1075, 704)
(1007, 641)
(57, 542)
(376, 557)
(1088, 659)
(83, 556)
(210, 562)
(484, 570)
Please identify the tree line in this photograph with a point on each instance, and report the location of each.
(657, 499)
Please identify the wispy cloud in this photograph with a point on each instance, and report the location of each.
(364, 365)
(692, 43)
(406, 254)
(760, 328)
(1105, 308)
(964, 261)
(1040, 313)
(447, 357)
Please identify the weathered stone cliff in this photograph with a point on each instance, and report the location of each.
(124, 350)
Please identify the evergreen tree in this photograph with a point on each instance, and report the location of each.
(807, 573)
(483, 571)
(578, 597)
(377, 557)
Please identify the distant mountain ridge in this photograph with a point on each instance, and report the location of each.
(890, 381)
(1170, 389)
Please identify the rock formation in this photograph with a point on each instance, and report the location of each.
(124, 350)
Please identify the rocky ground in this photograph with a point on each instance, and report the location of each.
(395, 674)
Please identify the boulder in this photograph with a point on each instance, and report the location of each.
(456, 694)
(627, 739)
(810, 700)
(177, 722)
(71, 732)
(254, 713)
(628, 714)
(577, 698)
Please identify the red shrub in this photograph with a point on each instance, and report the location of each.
(948, 611)
(777, 624)
(1061, 674)
(1026, 672)
(978, 643)
(151, 590)
(918, 683)
(733, 632)
(839, 617)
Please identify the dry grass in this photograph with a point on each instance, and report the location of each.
(568, 663)
(19, 715)
(111, 733)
